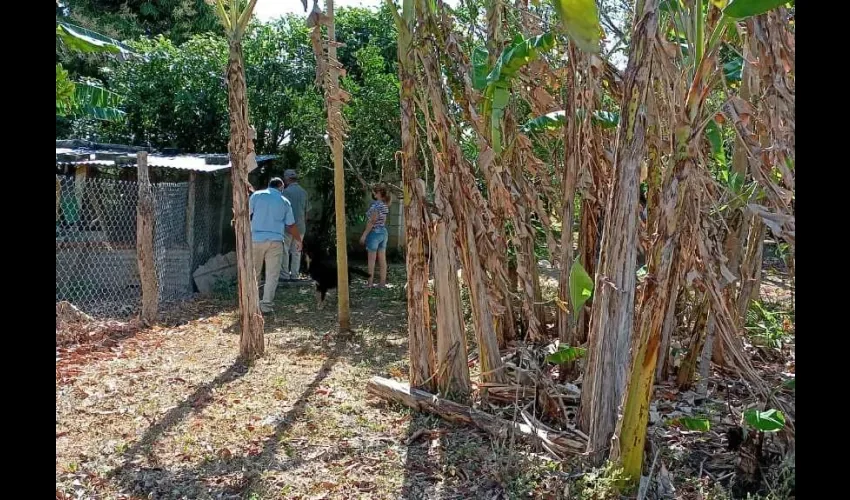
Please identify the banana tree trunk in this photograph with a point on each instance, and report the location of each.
(529, 277)
(466, 203)
(689, 366)
(482, 317)
(663, 369)
(706, 357)
(453, 371)
(567, 321)
(588, 242)
(751, 266)
(663, 264)
(415, 218)
(506, 330)
(740, 223)
(251, 343)
(614, 288)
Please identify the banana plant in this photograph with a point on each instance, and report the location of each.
(579, 20)
(700, 25)
(495, 82)
(235, 15)
(84, 98)
(556, 119)
(79, 39)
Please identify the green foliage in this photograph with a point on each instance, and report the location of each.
(715, 138)
(700, 424)
(80, 39)
(497, 92)
(580, 20)
(732, 68)
(519, 53)
(771, 420)
(175, 96)
(566, 354)
(581, 286)
(92, 100)
(176, 19)
(358, 28)
(64, 91)
(86, 98)
(555, 120)
(768, 327)
(606, 119)
(480, 67)
(603, 483)
(741, 9)
(549, 122)
(372, 114)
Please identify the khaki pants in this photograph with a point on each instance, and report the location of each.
(290, 267)
(270, 253)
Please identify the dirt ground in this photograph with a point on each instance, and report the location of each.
(166, 413)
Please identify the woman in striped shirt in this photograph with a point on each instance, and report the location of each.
(375, 235)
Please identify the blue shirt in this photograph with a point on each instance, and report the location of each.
(270, 213)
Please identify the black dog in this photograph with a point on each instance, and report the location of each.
(322, 269)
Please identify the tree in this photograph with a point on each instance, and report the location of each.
(614, 287)
(234, 16)
(175, 97)
(679, 224)
(416, 228)
(125, 19)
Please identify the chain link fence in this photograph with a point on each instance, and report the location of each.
(96, 266)
(213, 211)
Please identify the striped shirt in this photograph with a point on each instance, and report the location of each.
(380, 208)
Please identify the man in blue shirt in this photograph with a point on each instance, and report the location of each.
(271, 215)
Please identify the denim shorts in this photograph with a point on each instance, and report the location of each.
(376, 240)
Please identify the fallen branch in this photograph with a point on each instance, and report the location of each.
(558, 443)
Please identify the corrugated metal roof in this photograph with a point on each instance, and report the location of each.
(101, 157)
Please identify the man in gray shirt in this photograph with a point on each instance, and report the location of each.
(297, 196)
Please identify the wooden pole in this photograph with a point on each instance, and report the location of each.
(58, 197)
(335, 131)
(190, 221)
(80, 175)
(223, 210)
(144, 242)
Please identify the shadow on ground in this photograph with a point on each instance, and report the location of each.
(236, 475)
(315, 440)
(377, 341)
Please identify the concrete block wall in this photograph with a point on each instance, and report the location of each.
(395, 227)
(395, 219)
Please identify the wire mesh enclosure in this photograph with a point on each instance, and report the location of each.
(96, 266)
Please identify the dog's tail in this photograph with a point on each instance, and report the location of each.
(358, 272)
